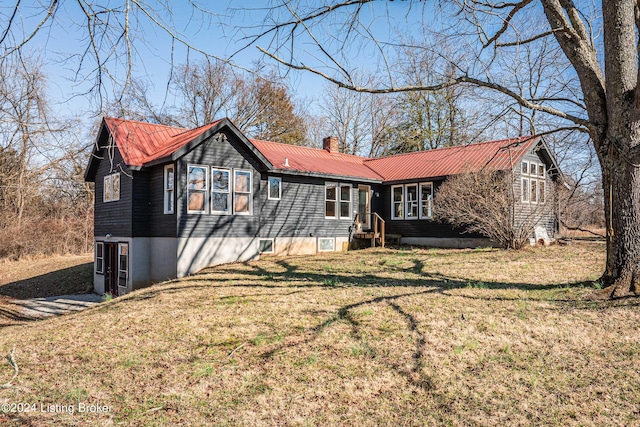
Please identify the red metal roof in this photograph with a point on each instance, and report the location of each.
(314, 160)
(497, 155)
(141, 143)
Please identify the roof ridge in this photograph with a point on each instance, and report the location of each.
(521, 139)
(145, 123)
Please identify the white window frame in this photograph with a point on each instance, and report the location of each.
(249, 194)
(401, 202)
(335, 200)
(274, 179)
(524, 195)
(205, 190)
(115, 195)
(544, 170)
(169, 189)
(99, 260)
(218, 191)
(107, 192)
(341, 201)
(542, 196)
(422, 201)
(409, 204)
(126, 269)
(327, 239)
(533, 190)
(524, 169)
(273, 245)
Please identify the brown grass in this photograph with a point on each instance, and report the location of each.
(373, 337)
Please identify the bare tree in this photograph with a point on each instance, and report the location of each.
(359, 120)
(484, 202)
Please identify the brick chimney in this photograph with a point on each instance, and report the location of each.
(330, 144)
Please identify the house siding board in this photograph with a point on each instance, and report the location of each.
(523, 210)
(140, 210)
(301, 210)
(113, 218)
(229, 154)
(160, 224)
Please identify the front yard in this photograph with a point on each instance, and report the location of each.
(372, 337)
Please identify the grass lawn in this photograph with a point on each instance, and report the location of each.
(372, 337)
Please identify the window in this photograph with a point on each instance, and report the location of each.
(541, 192)
(220, 191)
(397, 202)
(275, 188)
(525, 189)
(169, 182)
(106, 189)
(326, 244)
(196, 188)
(111, 188)
(115, 185)
(525, 168)
(345, 201)
(426, 199)
(123, 264)
(99, 257)
(541, 170)
(242, 192)
(411, 192)
(534, 191)
(533, 169)
(330, 198)
(265, 246)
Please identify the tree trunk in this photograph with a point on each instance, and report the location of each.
(621, 180)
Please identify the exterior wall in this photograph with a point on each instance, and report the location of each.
(543, 216)
(196, 253)
(163, 259)
(420, 228)
(113, 218)
(448, 242)
(159, 223)
(300, 212)
(229, 154)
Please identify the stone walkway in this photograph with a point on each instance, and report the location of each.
(38, 308)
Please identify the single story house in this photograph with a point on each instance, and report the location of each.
(171, 201)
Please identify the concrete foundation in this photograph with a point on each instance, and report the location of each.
(448, 242)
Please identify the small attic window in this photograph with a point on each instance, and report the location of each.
(111, 188)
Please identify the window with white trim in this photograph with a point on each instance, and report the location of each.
(99, 257)
(197, 184)
(265, 246)
(326, 244)
(220, 191)
(397, 202)
(242, 190)
(525, 168)
(345, 201)
(426, 199)
(330, 200)
(111, 188)
(541, 194)
(525, 189)
(534, 191)
(275, 187)
(169, 185)
(411, 197)
(123, 264)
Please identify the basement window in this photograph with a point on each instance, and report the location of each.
(265, 246)
(326, 244)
